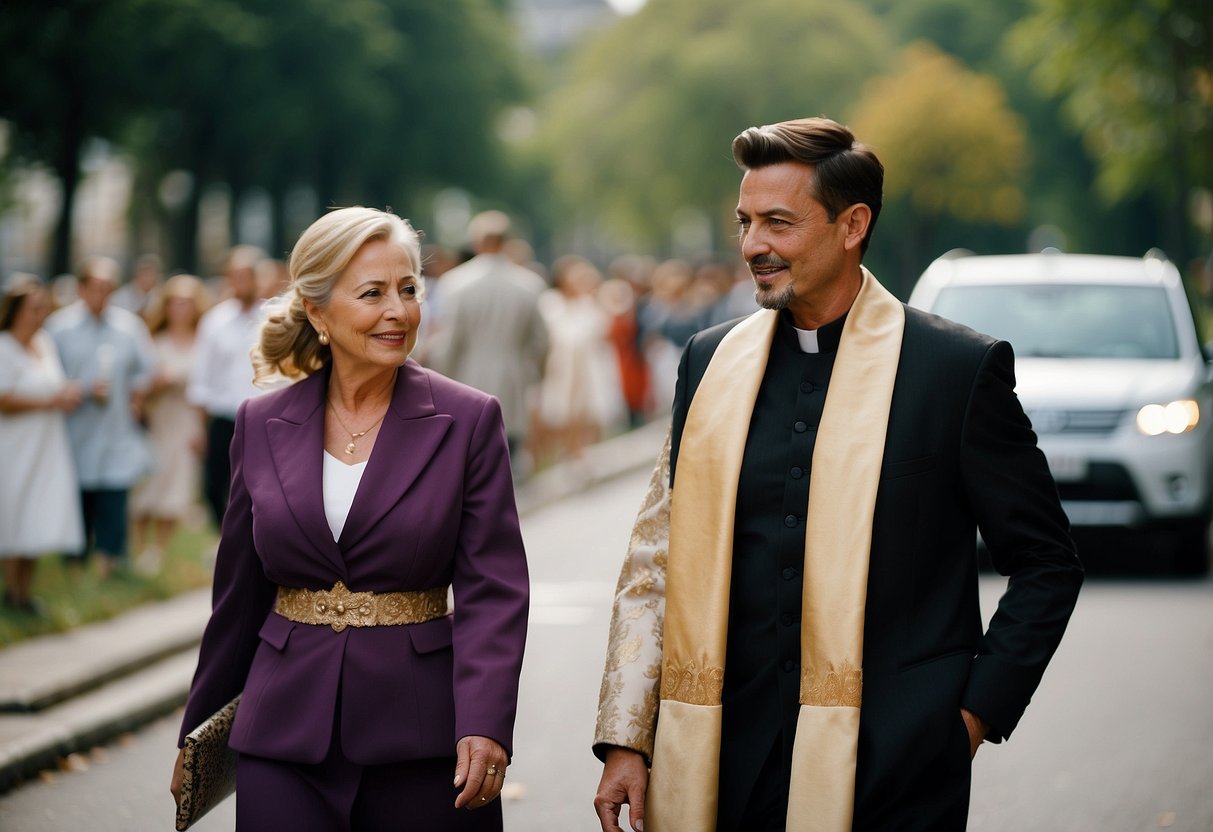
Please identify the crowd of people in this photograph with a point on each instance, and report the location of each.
(574, 351)
(118, 397)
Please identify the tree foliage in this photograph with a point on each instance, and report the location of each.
(367, 100)
(947, 138)
(642, 129)
(954, 154)
(67, 73)
(1135, 78)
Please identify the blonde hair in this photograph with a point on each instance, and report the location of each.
(178, 286)
(289, 346)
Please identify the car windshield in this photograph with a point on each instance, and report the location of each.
(1067, 320)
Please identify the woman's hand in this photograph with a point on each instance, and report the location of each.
(178, 774)
(480, 769)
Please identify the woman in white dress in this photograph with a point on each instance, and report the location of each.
(39, 499)
(580, 395)
(174, 426)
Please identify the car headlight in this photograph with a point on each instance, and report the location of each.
(1176, 417)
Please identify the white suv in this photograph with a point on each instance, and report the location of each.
(1111, 371)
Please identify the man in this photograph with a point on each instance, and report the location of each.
(109, 352)
(222, 376)
(796, 640)
(491, 335)
(142, 292)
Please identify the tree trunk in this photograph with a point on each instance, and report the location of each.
(279, 244)
(188, 228)
(68, 169)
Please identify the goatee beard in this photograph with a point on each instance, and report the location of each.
(773, 298)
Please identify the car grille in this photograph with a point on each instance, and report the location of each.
(1075, 421)
(1105, 481)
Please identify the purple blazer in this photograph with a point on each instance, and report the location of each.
(435, 506)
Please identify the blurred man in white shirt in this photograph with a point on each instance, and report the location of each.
(223, 372)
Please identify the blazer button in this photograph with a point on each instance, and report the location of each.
(807, 387)
(800, 427)
(789, 666)
(797, 473)
(788, 573)
(790, 521)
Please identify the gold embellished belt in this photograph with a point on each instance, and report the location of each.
(340, 608)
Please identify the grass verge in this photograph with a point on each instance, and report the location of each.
(75, 595)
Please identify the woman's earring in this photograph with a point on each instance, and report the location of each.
(323, 338)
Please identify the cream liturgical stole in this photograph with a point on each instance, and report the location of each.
(842, 495)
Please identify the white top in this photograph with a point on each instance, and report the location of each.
(222, 377)
(339, 484)
(39, 495)
(808, 339)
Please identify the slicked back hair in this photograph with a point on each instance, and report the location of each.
(845, 172)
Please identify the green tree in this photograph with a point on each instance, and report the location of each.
(641, 130)
(1136, 78)
(372, 101)
(1060, 170)
(351, 100)
(951, 147)
(65, 76)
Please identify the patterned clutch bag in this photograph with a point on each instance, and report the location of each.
(208, 767)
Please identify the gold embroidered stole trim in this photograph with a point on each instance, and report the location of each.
(703, 504)
(686, 749)
(842, 498)
(847, 459)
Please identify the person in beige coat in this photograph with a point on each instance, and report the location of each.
(492, 335)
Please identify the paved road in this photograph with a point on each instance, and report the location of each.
(1119, 736)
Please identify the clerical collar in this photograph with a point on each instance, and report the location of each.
(807, 339)
(824, 339)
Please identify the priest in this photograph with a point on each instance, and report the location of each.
(796, 640)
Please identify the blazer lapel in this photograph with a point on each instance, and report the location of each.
(296, 440)
(409, 438)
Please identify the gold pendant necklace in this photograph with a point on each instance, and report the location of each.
(352, 445)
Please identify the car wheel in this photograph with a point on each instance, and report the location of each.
(1192, 547)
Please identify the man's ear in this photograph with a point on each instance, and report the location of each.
(857, 219)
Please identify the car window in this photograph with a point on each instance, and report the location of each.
(1068, 320)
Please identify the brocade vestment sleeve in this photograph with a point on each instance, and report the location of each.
(631, 679)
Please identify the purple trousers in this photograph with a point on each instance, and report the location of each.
(336, 795)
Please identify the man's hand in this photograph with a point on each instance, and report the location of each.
(625, 779)
(977, 731)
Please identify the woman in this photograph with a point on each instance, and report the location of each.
(580, 394)
(359, 494)
(39, 501)
(173, 425)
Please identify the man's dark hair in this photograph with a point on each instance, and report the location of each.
(845, 172)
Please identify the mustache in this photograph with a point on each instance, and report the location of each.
(768, 260)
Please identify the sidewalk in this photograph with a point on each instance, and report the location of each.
(66, 693)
